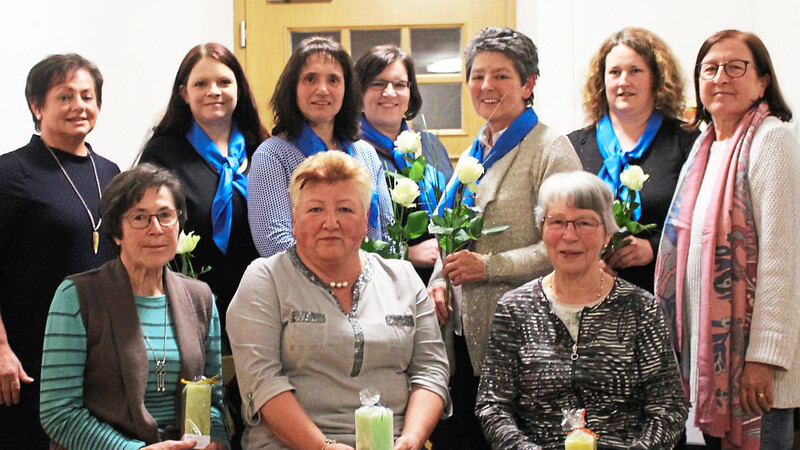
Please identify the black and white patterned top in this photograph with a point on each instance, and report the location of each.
(624, 373)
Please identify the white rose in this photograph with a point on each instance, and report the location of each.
(633, 178)
(408, 142)
(186, 242)
(405, 192)
(468, 170)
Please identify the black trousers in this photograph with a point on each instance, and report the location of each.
(461, 431)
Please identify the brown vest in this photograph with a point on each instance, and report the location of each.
(117, 365)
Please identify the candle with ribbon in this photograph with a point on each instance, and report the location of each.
(374, 423)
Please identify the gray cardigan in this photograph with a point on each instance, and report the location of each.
(508, 193)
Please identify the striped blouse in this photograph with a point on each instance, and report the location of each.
(621, 369)
(63, 415)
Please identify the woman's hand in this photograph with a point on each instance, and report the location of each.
(464, 266)
(173, 445)
(407, 442)
(436, 293)
(424, 254)
(11, 375)
(637, 253)
(757, 395)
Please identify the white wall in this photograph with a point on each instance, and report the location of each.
(568, 32)
(137, 46)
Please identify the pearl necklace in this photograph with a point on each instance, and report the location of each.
(553, 289)
(338, 284)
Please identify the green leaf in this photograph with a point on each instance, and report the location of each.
(494, 230)
(460, 238)
(439, 230)
(416, 172)
(475, 227)
(438, 220)
(416, 223)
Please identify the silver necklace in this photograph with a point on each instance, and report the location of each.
(161, 365)
(95, 226)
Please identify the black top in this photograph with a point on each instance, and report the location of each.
(45, 235)
(200, 180)
(662, 161)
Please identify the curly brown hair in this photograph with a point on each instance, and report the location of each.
(667, 79)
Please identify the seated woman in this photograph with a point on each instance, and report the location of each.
(119, 338)
(391, 97)
(316, 106)
(578, 338)
(314, 325)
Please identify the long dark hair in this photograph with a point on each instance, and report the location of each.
(761, 62)
(288, 117)
(178, 118)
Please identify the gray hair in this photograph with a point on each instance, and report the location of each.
(514, 45)
(581, 190)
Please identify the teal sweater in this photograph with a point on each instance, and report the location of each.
(63, 415)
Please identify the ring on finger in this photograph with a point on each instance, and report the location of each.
(761, 395)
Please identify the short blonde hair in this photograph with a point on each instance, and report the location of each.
(331, 167)
(667, 79)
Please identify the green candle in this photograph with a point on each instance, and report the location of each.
(374, 428)
(197, 409)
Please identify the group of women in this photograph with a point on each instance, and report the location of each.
(540, 322)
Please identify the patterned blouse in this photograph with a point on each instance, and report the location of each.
(621, 369)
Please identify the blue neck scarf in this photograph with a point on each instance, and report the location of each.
(510, 138)
(229, 178)
(310, 144)
(432, 180)
(615, 161)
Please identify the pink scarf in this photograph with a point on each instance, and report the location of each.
(728, 267)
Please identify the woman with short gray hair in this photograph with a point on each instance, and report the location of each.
(579, 338)
(517, 153)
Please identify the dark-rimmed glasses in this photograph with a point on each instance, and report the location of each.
(734, 69)
(582, 226)
(397, 85)
(165, 218)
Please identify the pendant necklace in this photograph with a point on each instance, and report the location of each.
(95, 226)
(161, 365)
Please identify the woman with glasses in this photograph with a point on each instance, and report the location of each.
(634, 100)
(391, 97)
(728, 265)
(579, 338)
(120, 338)
(316, 106)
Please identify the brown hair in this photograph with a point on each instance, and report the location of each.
(53, 70)
(129, 187)
(516, 46)
(376, 59)
(288, 117)
(178, 117)
(761, 62)
(330, 167)
(667, 79)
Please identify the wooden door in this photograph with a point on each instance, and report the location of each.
(423, 28)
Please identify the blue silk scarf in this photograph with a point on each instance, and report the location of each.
(310, 144)
(229, 178)
(432, 180)
(615, 161)
(510, 138)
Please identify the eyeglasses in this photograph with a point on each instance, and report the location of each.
(582, 226)
(165, 218)
(397, 85)
(734, 69)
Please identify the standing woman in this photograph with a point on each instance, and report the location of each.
(316, 106)
(49, 227)
(207, 138)
(727, 268)
(518, 152)
(391, 97)
(634, 99)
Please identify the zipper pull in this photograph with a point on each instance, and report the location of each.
(574, 356)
